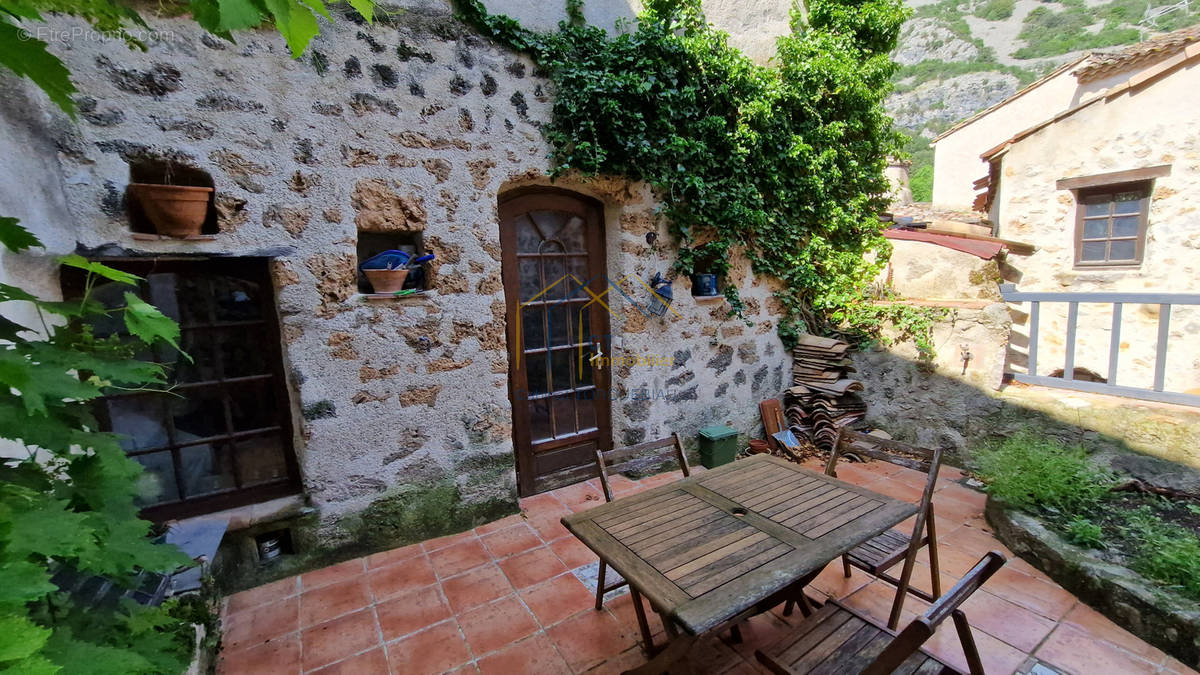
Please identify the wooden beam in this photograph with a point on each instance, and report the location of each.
(1072, 321)
(1010, 294)
(1034, 309)
(1018, 247)
(1114, 178)
(1160, 353)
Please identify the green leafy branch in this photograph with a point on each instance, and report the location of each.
(71, 502)
(26, 55)
(784, 162)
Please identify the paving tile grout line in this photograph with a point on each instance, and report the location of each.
(550, 506)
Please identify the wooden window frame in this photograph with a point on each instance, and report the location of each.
(1146, 188)
(256, 270)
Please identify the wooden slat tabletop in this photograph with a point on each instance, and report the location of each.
(709, 547)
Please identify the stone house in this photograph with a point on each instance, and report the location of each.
(1124, 138)
(956, 150)
(1105, 190)
(317, 414)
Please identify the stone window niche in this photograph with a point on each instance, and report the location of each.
(160, 171)
(374, 243)
(706, 265)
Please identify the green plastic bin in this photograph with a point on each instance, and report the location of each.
(718, 445)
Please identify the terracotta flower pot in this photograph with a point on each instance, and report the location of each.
(759, 446)
(386, 281)
(175, 210)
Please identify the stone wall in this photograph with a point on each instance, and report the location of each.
(1107, 136)
(934, 403)
(923, 271)
(416, 124)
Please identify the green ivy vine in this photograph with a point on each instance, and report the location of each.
(784, 162)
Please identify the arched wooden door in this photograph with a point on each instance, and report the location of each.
(552, 244)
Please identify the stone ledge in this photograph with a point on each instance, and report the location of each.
(146, 236)
(1165, 620)
(423, 296)
(245, 517)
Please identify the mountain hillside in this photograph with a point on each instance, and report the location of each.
(959, 57)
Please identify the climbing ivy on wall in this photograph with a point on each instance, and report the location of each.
(784, 162)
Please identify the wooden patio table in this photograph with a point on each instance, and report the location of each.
(731, 542)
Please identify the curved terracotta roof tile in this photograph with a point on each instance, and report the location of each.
(1102, 64)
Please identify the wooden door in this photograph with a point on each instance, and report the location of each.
(552, 245)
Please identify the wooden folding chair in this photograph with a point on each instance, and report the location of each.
(837, 639)
(619, 460)
(882, 552)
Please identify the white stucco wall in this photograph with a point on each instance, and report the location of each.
(31, 190)
(956, 162)
(1152, 126)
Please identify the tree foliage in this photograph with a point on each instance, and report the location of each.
(23, 52)
(69, 504)
(784, 162)
(67, 490)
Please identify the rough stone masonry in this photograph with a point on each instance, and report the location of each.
(414, 124)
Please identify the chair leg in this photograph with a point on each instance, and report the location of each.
(735, 633)
(600, 587)
(905, 580)
(788, 607)
(935, 568)
(967, 640)
(846, 565)
(643, 624)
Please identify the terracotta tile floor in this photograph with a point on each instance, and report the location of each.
(512, 597)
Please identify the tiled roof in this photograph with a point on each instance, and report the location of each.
(1103, 64)
(985, 249)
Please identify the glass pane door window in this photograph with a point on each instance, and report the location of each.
(1112, 225)
(222, 435)
(552, 245)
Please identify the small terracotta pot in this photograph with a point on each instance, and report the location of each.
(759, 446)
(386, 281)
(175, 210)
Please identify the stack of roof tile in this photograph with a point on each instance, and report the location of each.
(823, 397)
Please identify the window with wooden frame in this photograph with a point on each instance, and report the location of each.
(1112, 212)
(1110, 227)
(222, 436)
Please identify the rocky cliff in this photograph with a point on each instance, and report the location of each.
(957, 58)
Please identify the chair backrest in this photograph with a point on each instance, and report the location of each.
(885, 449)
(921, 629)
(621, 459)
(920, 459)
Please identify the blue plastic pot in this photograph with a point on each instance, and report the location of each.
(704, 285)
